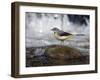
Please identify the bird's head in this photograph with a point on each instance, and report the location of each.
(55, 29)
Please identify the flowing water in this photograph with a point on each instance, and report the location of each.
(38, 34)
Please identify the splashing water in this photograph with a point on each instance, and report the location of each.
(39, 25)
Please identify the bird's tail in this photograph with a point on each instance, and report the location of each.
(79, 34)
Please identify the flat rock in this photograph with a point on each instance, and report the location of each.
(62, 52)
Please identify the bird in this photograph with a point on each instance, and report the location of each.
(61, 35)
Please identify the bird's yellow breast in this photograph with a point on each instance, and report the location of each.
(62, 37)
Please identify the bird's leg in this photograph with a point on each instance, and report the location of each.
(62, 42)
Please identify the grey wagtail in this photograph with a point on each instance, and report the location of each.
(61, 35)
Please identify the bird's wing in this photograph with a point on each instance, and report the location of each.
(62, 33)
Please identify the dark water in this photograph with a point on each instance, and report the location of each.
(34, 60)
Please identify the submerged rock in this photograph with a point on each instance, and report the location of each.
(62, 52)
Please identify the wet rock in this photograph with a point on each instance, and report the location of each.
(54, 55)
(62, 52)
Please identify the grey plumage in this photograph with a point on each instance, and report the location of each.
(60, 32)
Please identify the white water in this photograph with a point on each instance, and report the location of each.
(38, 31)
